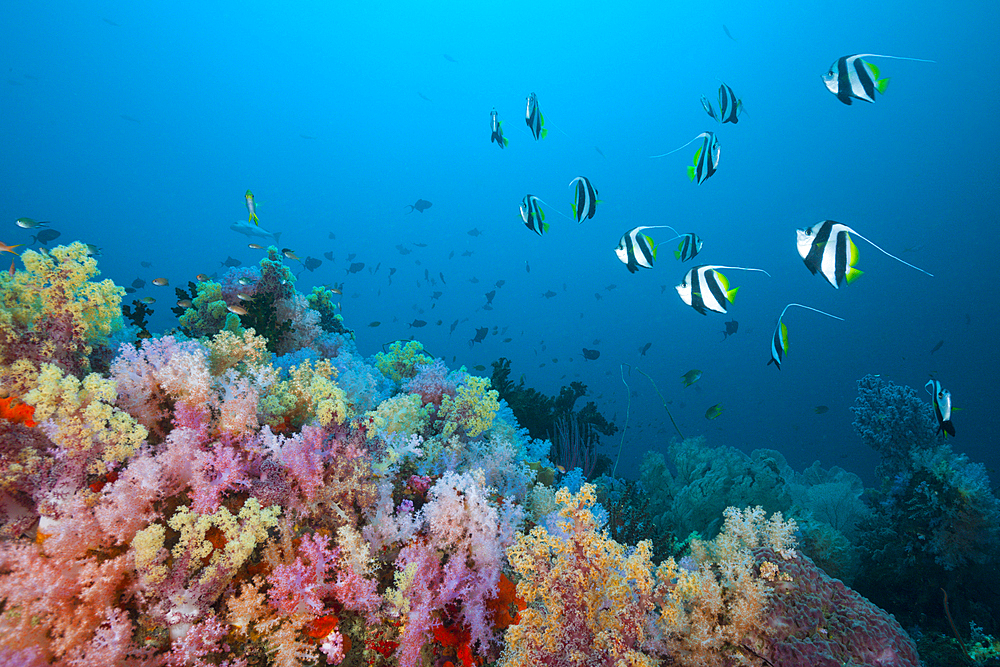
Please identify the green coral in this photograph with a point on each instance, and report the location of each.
(322, 301)
(472, 409)
(209, 312)
(401, 361)
(403, 414)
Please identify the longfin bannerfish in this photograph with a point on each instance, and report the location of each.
(689, 247)
(779, 340)
(730, 108)
(850, 77)
(533, 215)
(941, 399)
(252, 208)
(496, 127)
(706, 158)
(706, 104)
(584, 198)
(827, 248)
(704, 288)
(637, 250)
(533, 117)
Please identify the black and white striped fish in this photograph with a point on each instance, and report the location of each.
(729, 107)
(496, 127)
(533, 215)
(827, 248)
(941, 399)
(584, 198)
(779, 341)
(704, 288)
(689, 246)
(706, 158)
(637, 250)
(533, 117)
(850, 77)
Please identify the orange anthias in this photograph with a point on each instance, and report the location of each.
(9, 248)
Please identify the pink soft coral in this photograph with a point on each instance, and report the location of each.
(432, 382)
(301, 586)
(454, 570)
(161, 370)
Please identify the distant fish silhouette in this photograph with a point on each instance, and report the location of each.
(600, 152)
(420, 205)
(110, 22)
(591, 354)
(424, 97)
(449, 58)
(937, 347)
(130, 119)
(480, 335)
(731, 328)
(44, 236)
(728, 34)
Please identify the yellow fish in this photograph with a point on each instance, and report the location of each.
(252, 207)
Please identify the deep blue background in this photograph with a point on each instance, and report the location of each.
(139, 130)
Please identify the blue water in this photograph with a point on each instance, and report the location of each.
(139, 128)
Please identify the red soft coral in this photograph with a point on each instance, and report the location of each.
(13, 410)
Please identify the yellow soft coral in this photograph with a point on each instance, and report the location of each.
(403, 414)
(310, 392)
(57, 287)
(714, 615)
(241, 534)
(247, 353)
(587, 599)
(400, 362)
(235, 538)
(84, 421)
(590, 601)
(472, 409)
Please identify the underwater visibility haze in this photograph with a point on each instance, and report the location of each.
(593, 219)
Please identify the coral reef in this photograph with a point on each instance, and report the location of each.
(892, 420)
(256, 492)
